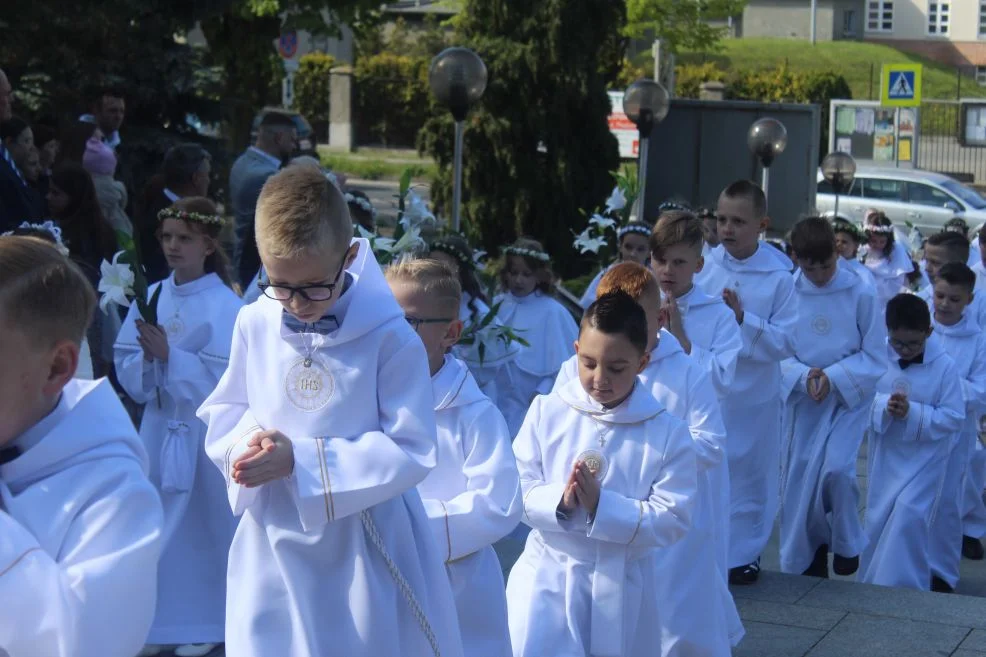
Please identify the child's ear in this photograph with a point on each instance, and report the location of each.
(453, 334)
(644, 362)
(700, 264)
(764, 223)
(64, 359)
(351, 255)
(576, 343)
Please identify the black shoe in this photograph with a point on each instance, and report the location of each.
(845, 565)
(745, 575)
(820, 564)
(938, 585)
(972, 548)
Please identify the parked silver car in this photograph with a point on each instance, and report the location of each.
(922, 198)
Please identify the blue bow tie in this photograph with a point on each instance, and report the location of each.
(917, 360)
(8, 454)
(327, 324)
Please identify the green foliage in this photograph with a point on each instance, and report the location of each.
(311, 89)
(578, 286)
(537, 147)
(681, 24)
(392, 98)
(689, 78)
(132, 256)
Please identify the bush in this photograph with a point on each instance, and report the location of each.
(392, 99)
(311, 90)
(689, 78)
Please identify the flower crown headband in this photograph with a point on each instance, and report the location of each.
(45, 227)
(843, 226)
(197, 217)
(454, 251)
(633, 228)
(363, 203)
(955, 229)
(879, 229)
(527, 253)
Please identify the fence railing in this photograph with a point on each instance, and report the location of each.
(941, 148)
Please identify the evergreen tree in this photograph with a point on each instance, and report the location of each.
(538, 150)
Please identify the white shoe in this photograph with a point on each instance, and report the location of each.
(150, 650)
(195, 649)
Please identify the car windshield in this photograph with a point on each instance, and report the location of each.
(968, 195)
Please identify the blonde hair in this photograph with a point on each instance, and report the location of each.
(300, 212)
(630, 278)
(43, 293)
(435, 278)
(676, 227)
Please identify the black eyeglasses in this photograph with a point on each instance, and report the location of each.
(308, 292)
(416, 322)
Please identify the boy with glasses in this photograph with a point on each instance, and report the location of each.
(323, 426)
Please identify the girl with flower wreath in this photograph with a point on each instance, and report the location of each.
(172, 367)
(454, 251)
(633, 247)
(527, 305)
(886, 258)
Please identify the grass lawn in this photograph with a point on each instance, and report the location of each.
(378, 163)
(853, 59)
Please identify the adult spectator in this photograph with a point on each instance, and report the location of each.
(185, 172)
(6, 98)
(46, 141)
(107, 109)
(17, 200)
(276, 141)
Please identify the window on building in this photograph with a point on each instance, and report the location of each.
(879, 16)
(982, 19)
(938, 15)
(849, 22)
(981, 75)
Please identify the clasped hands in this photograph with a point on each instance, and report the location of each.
(898, 406)
(818, 384)
(269, 456)
(582, 489)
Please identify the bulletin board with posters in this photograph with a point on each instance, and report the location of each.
(973, 132)
(873, 134)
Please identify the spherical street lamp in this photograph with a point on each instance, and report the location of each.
(646, 103)
(839, 170)
(767, 139)
(457, 78)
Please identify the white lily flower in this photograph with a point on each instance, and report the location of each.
(586, 243)
(116, 283)
(601, 221)
(409, 241)
(616, 201)
(416, 212)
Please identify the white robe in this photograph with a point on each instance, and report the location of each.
(890, 273)
(198, 318)
(966, 345)
(589, 296)
(81, 534)
(307, 571)
(581, 587)
(472, 499)
(907, 466)
(495, 353)
(551, 332)
(864, 273)
(839, 331)
(752, 410)
(715, 336)
(980, 270)
(698, 616)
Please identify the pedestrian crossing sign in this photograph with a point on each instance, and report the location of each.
(901, 85)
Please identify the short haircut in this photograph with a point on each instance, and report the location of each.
(956, 246)
(435, 278)
(300, 212)
(958, 273)
(676, 227)
(183, 161)
(909, 312)
(12, 128)
(277, 120)
(630, 278)
(617, 313)
(42, 292)
(813, 240)
(750, 191)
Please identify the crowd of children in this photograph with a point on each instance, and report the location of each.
(325, 470)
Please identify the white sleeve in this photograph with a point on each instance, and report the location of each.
(940, 420)
(541, 498)
(490, 507)
(97, 597)
(719, 360)
(135, 373)
(855, 376)
(769, 338)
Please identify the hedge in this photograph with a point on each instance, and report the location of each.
(311, 90)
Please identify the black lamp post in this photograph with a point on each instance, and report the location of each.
(839, 170)
(767, 139)
(646, 103)
(458, 79)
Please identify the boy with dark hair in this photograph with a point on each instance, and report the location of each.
(584, 583)
(754, 279)
(963, 339)
(838, 358)
(917, 409)
(848, 239)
